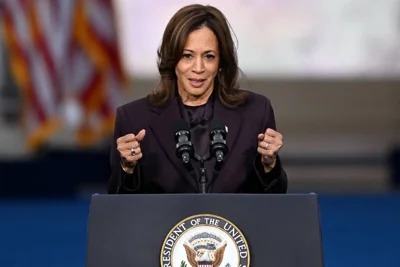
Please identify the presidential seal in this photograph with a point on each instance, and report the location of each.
(205, 240)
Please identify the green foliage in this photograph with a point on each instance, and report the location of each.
(183, 264)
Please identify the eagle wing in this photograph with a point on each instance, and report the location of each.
(191, 255)
(219, 255)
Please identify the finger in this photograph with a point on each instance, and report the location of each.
(128, 138)
(134, 144)
(269, 145)
(272, 140)
(131, 152)
(266, 152)
(263, 144)
(128, 158)
(120, 140)
(270, 132)
(128, 146)
(261, 137)
(140, 135)
(273, 133)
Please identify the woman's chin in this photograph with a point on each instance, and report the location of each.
(197, 92)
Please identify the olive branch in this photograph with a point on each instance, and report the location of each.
(183, 264)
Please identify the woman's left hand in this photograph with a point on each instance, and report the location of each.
(269, 144)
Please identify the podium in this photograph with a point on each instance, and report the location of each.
(204, 230)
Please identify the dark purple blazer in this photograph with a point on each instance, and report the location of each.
(161, 171)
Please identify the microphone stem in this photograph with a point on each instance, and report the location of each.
(203, 176)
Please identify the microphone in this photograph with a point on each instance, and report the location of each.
(218, 144)
(184, 148)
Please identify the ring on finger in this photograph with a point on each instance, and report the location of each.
(133, 152)
(266, 145)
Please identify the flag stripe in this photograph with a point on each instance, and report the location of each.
(60, 50)
(39, 41)
(23, 64)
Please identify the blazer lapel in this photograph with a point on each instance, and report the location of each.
(164, 131)
(233, 122)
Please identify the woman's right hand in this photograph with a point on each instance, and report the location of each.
(130, 151)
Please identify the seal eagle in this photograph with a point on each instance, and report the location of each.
(205, 257)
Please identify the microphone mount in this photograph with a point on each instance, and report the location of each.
(185, 150)
(203, 174)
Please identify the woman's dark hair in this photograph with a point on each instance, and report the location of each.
(185, 21)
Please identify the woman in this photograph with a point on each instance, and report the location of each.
(198, 69)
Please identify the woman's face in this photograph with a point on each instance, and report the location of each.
(198, 67)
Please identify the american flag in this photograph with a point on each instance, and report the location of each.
(61, 50)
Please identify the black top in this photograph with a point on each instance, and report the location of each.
(199, 118)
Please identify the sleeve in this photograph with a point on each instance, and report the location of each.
(274, 181)
(120, 182)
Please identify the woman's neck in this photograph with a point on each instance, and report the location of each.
(190, 100)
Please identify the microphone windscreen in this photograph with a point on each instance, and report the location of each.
(181, 125)
(217, 124)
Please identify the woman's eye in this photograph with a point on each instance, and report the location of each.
(187, 55)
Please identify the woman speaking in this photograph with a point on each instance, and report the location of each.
(198, 131)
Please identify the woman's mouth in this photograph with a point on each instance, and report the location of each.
(197, 82)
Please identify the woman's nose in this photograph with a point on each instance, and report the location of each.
(198, 65)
